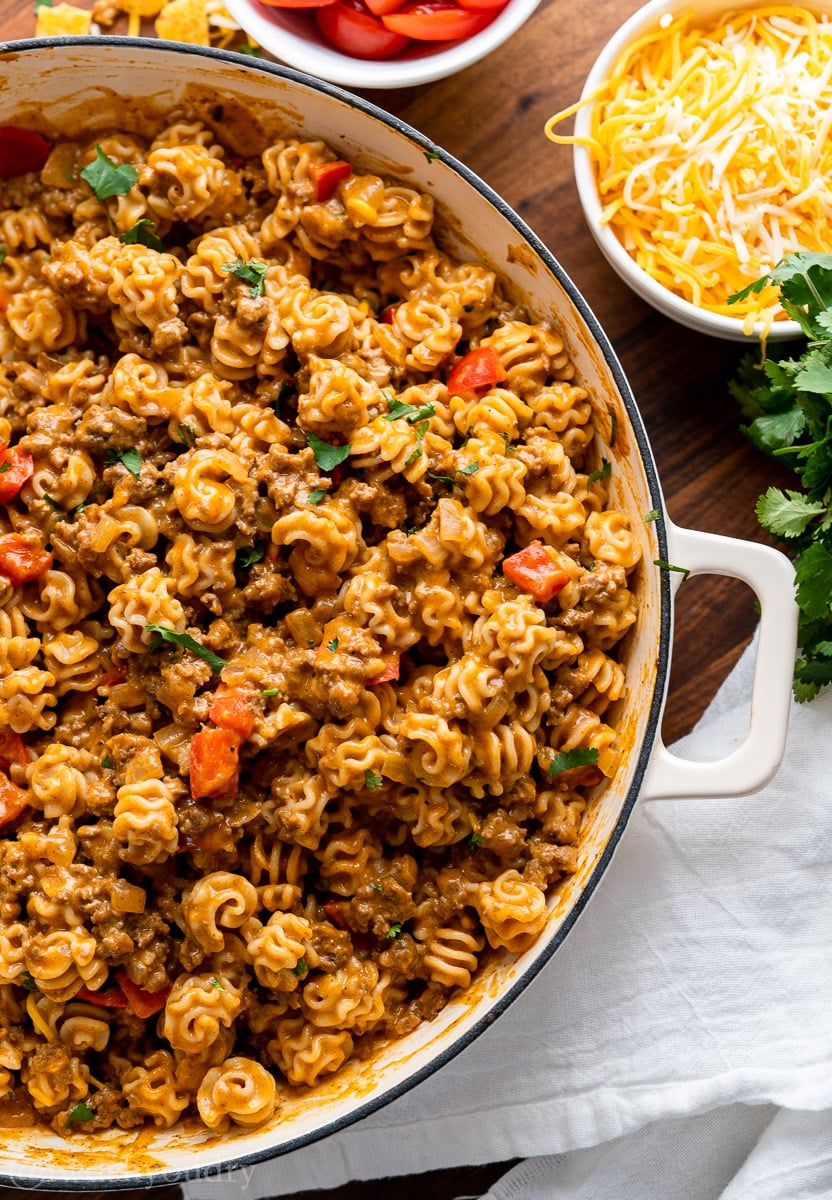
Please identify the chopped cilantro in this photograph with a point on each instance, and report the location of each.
(567, 759)
(474, 842)
(215, 983)
(27, 982)
(249, 48)
(246, 556)
(107, 178)
(373, 780)
(332, 646)
(4, 467)
(327, 457)
(140, 234)
(410, 412)
(50, 500)
(187, 435)
(252, 273)
(666, 566)
(131, 459)
(163, 634)
(600, 473)
(42, 4)
(430, 155)
(394, 930)
(377, 887)
(270, 692)
(3, 252)
(301, 968)
(107, 763)
(653, 515)
(81, 1112)
(316, 496)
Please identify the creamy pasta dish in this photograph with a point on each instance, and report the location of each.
(310, 597)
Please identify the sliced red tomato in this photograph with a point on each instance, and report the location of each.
(480, 368)
(388, 316)
(143, 1003)
(19, 561)
(334, 909)
(214, 763)
(296, 3)
(12, 800)
(110, 997)
(16, 466)
(353, 29)
(21, 151)
(12, 750)
(326, 177)
(380, 7)
(230, 709)
(436, 21)
(4, 299)
(483, 5)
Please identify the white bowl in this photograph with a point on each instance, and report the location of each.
(643, 21)
(292, 36)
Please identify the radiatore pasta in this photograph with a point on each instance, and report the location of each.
(311, 600)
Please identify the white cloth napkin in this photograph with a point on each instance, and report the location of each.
(697, 983)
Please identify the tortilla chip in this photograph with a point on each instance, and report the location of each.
(65, 20)
(184, 21)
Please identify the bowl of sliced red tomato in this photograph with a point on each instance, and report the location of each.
(380, 43)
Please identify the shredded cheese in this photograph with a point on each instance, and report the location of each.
(711, 149)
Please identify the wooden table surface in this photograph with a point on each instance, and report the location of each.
(491, 117)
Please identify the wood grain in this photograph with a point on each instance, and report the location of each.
(491, 117)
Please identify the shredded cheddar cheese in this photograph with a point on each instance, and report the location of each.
(712, 151)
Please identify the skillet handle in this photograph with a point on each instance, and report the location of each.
(771, 575)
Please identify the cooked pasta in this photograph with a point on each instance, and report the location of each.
(311, 600)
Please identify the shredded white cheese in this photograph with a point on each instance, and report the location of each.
(712, 149)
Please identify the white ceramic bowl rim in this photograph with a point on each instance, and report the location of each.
(642, 283)
(417, 64)
(664, 618)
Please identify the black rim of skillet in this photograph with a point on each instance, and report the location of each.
(167, 1176)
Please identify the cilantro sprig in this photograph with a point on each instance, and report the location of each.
(787, 411)
(108, 178)
(162, 634)
(253, 273)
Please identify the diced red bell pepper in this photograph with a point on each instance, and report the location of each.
(110, 997)
(389, 672)
(326, 177)
(21, 151)
(13, 800)
(21, 562)
(214, 763)
(334, 909)
(142, 1003)
(4, 299)
(535, 572)
(389, 314)
(480, 368)
(230, 709)
(16, 466)
(12, 750)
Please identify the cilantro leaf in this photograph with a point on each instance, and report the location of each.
(3, 253)
(814, 580)
(107, 178)
(252, 273)
(163, 634)
(81, 1112)
(140, 234)
(247, 556)
(786, 513)
(394, 930)
(300, 968)
(567, 759)
(327, 457)
(372, 780)
(129, 458)
(599, 473)
(409, 411)
(316, 496)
